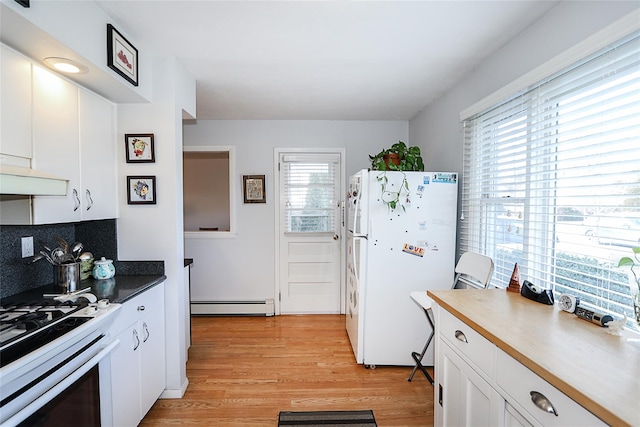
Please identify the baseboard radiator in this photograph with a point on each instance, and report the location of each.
(233, 308)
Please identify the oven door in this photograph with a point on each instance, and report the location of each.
(76, 391)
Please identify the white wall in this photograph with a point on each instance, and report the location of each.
(437, 128)
(241, 267)
(155, 232)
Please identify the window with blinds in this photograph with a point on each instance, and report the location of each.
(552, 179)
(310, 193)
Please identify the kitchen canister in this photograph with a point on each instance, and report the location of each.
(67, 276)
(103, 269)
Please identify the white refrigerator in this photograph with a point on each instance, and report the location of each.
(392, 252)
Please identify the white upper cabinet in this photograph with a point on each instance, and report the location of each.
(73, 137)
(97, 157)
(15, 98)
(56, 145)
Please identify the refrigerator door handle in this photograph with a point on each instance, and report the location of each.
(356, 205)
(353, 255)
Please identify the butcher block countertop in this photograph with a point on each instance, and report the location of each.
(598, 370)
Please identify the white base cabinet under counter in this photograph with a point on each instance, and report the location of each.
(499, 372)
(138, 363)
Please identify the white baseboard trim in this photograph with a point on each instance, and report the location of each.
(175, 393)
(228, 308)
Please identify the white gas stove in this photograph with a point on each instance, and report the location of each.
(45, 346)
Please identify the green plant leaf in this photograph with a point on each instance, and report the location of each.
(626, 262)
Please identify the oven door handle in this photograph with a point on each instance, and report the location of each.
(54, 391)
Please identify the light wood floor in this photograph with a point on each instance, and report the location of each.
(244, 370)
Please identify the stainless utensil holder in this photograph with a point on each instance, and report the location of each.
(67, 276)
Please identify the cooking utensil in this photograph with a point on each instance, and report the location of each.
(76, 248)
(57, 254)
(63, 243)
(47, 257)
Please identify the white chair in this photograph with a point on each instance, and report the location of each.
(472, 271)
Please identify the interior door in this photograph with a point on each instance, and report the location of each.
(310, 232)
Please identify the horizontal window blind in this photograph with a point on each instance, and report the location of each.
(552, 179)
(311, 193)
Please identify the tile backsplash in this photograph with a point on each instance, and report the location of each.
(19, 274)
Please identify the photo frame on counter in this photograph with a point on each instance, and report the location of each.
(139, 148)
(253, 189)
(141, 190)
(122, 56)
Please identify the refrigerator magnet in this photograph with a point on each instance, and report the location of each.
(413, 250)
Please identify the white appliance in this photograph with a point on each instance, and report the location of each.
(392, 252)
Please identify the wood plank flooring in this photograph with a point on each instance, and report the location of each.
(244, 370)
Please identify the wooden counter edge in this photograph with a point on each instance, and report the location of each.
(589, 404)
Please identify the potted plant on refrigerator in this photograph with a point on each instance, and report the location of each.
(400, 158)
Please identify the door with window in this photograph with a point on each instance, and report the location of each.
(309, 228)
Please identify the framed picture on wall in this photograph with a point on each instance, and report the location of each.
(141, 190)
(253, 189)
(122, 56)
(139, 148)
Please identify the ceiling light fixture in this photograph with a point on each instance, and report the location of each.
(65, 65)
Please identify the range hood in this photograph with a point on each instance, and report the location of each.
(30, 182)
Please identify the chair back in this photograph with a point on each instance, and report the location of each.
(473, 270)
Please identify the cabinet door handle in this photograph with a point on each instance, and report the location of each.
(136, 340)
(76, 200)
(146, 332)
(440, 394)
(541, 401)
(460, 336)
(141, 308)
(89, 199)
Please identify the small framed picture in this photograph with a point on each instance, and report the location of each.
(253, 188)
(122, 56)
(139, 148)
(141, 190)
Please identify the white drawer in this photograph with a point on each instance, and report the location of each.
(517, 381)
(478, 350)
(134, 309)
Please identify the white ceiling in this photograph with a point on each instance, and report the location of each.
(333, 60)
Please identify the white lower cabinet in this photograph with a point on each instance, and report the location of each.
(465, 397)
(138, 363)
(477, 384)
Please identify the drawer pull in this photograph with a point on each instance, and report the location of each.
(460, 336)
(541, 401)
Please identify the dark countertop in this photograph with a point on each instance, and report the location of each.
(119, 289)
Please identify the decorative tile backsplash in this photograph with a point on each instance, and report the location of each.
(18, 274)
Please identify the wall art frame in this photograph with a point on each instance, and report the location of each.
(141, 190)
(253, 189)
(122, 56)
(139, 148)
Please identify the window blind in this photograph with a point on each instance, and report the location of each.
(552, 179)
(310, 193)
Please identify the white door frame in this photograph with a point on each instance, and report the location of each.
(278, 231)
